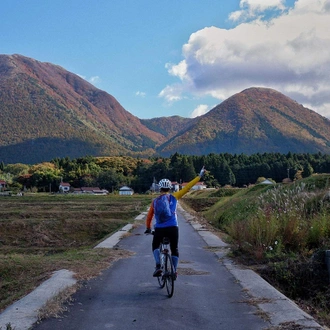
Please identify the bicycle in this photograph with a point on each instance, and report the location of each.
(168, 274)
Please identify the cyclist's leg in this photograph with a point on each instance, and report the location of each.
(158, 236)
(174, 239)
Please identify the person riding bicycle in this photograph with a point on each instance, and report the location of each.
(163, 208)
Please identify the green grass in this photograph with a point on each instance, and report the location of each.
(296, 217)
(282, 232)
(238, 206)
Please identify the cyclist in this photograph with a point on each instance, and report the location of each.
(166, 222)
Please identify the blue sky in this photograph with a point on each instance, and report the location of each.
(179, 57)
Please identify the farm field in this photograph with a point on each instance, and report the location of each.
(41, 233)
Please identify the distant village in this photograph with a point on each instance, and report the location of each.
(65, 187)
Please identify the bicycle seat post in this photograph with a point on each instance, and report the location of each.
(166, 240)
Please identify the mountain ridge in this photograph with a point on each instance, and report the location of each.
(43, 95)
(255, 120)
(48, 112)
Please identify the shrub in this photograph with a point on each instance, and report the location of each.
(296, 217)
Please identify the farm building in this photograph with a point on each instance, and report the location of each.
(197, 186)
(64, 187)
(126, 191)
(2, 184)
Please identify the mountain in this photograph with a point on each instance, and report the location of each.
(254, 120)
(168, 126)
(48, 112)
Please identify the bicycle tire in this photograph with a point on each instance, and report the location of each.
(169, 275)
(161, 279)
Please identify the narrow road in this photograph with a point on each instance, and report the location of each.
(126, 296)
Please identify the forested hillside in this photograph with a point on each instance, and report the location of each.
(48, 112)
(112, 172)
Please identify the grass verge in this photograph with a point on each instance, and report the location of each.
(282, 232)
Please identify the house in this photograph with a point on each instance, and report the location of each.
(90, 190)
(266, 182)
(2, 184)
(100, 192)
(126, 191)
(198, 186)
(154, 187)
(175, 186)
(64, 187)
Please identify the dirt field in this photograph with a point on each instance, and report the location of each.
(42, 233)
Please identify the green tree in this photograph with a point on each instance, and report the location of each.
(17, 169)
(45, 176)
(260, 179)
(187, 169)
(142, 177)
(307, 170)
(175, 167)
(227, 175)
(209, 180)
(45, 181)
(111, 180)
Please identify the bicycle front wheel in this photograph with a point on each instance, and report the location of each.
(161, 279)
(169, 276)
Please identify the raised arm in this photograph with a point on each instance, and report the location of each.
(182, 192)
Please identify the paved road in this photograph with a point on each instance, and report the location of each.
(126, 296)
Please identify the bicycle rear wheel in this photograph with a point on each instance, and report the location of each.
(169, 275)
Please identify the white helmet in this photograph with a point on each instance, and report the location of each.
(165, 183)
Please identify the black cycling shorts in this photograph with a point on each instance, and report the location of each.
(172, 233)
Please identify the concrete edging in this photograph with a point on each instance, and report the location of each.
(24, 313)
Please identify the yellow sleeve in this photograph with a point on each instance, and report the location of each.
(182, 192)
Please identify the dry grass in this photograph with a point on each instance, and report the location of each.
(43, 233)
(281, 232)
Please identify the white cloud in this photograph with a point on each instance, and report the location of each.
(94, 80)
(179, 70)
(290, 53)
(200, 110)
(172, 93)
(81, 76)
(141, 94)
(252, 8)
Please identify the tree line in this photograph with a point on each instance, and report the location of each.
(113, 172)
